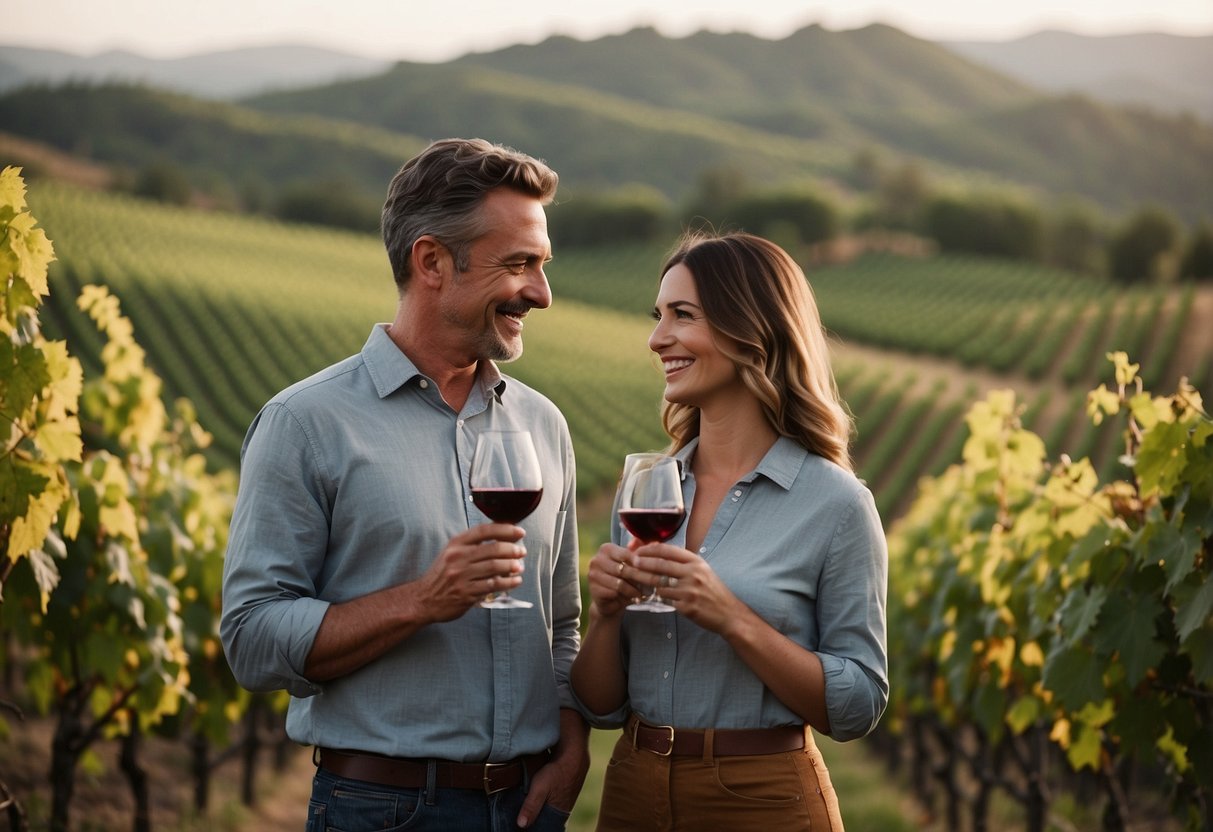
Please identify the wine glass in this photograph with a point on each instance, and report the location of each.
(651, 509)
(506, 485)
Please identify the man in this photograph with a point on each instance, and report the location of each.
(357, 559)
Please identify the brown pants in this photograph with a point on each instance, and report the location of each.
(786, 791)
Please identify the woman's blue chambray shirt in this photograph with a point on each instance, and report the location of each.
(354, 480)
(798, 540)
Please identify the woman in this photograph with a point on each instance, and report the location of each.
(778, 575)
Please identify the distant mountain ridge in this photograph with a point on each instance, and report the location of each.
(1169, 73)
(229, 74)
(643, 109)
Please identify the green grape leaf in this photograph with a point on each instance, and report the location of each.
(27, 376)
(989, 706)
(1160, 459)
(1080, 611)
(17, 295)
(1075, 676)
(1026, 710)
(1175, 549)
(1128, 629)
(1194, 609)
(1199, 646)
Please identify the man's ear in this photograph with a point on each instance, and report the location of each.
(431, 261)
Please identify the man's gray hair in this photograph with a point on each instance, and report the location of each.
(440, 191)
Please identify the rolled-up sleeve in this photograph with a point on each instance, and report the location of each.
(276, 549)
(851, 618)
(566, 584)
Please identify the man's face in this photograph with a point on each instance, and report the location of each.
(484, 306)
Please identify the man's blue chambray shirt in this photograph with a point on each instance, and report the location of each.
(354, 480)
(799, 541)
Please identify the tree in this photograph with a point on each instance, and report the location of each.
(1198, 258)
(336, 203)
(1074, 239)
(789, 217)
(633, 214)
(1139, 249)
(995, 224)
(164, 182)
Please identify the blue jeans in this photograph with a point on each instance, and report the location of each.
(339, 804)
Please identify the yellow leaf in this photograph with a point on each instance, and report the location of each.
(1060, 733)
(1001, 653)
(67, 380)
(1175, 751)
(60, 440)
(1084, 752)
(946, 645)
(12, 189)
(120, 521)
(1031, 654)
(1097, 714)
(1100, 402)
(1125, 372)
(33, 250)
(1149, 411)
(29, 532)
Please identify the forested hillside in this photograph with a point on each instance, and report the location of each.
(664, 112)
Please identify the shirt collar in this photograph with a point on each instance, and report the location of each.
(781, 464)
(390, 369)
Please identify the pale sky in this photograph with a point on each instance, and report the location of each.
(433, 30)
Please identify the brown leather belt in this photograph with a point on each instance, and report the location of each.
(665, 740)
(411, 774)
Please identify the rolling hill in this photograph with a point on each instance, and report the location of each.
(640, 107)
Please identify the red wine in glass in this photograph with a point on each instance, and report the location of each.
(650, 507)
(506, 484)
(508, 505)
(652, 525)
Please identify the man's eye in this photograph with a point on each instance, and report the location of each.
(516, 268)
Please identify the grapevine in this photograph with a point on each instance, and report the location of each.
(1030, 600)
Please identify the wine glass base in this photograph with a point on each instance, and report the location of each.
(651, 605)
(505, 602)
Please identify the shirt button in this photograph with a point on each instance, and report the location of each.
(737, 493)
(669, 635)
(423, 384)
(459, 424)
(469, 498)
(702, 549)
(665, 674)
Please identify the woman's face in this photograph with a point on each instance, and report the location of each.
(697, 373)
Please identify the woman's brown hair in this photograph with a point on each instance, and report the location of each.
(761, 307)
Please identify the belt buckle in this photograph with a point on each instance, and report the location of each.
(670, 728)
(669, 750)
(489, 788)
